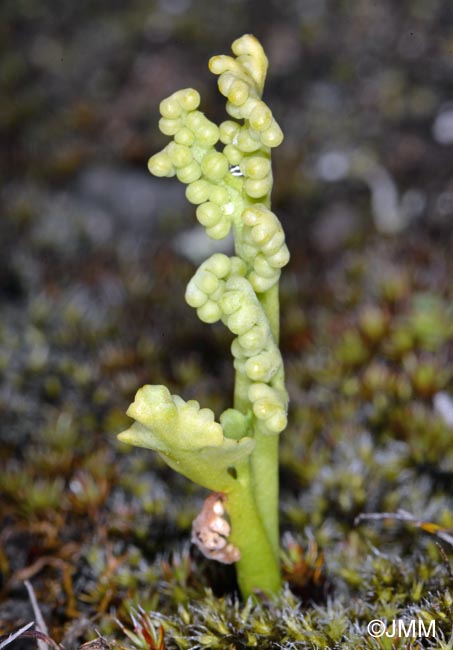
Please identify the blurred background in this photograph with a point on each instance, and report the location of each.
(95, 254)
(363, 92)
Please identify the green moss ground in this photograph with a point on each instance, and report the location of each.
(102, 533)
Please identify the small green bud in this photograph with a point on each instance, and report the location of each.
(262, 233)
(265, 246)
(277, 422)
(233, 154)
(247, 143)
(198, 192)
(263, 268)
(256, 167)
(238, 93)
(238, 266)
(169, 127)
(280, 258)
(265, 400)
(227, 131)
(261, 117)
(225, 82)
(231, 302)
(252, 57)
(261, 409)
(238, 362)
(153, 406)
(254, 215)
(243, 319)
(273, 136)
(219, 63)
(210, 312)
(218, 195)
(189, 99)
(220, 230)
(190, 173)
(255, 339)
(180, 155)
(262, 391)
(234, 424)
(249, 106)
(217, 294)
(207, 134)
(160, 165)
(195, 297)
(260, 284)
(214, 166)
(274, 243)
(208, 214)
(185, 136)
(207, 281)
(170, 108)
(258, 188)
(235, 111)
(220, 264)
(262, 367)
(195, 120)
(237, 351)
(248, 250)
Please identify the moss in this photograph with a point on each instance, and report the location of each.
(363, 439)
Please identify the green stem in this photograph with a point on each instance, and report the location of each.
(241, 389)
(264, 459)
(258, 569)
(264, 465)
(270, 302)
